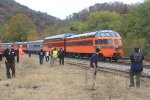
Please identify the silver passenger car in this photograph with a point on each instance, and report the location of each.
(4, 45)
(34, 46)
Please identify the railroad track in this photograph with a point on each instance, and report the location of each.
(122, 61)
(102, 69)
(107, 67)
(126, 61)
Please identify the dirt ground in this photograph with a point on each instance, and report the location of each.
(42, 82)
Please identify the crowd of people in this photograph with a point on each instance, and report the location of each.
(15, 54)
(51, 56)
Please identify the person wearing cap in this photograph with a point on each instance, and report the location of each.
(93, 65)
(136, 67)
(9, 58)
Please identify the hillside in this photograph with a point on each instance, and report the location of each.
(9, 8)
(118, 7)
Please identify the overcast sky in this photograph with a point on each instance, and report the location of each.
(63, 8)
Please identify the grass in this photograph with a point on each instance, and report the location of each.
(42, 82)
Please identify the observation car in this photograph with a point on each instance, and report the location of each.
(58, 41)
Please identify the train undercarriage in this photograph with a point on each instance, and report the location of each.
(101, 57)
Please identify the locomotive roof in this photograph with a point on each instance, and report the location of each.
(108, 33)
(62, 36)
(98, 33)
(35, 41)
(83, 35)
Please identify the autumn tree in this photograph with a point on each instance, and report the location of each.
(20, 28)
(103, 21)
(136, 29)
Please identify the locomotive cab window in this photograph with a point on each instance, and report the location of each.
(100, 41)
(105, 41)
(96, 41)
(116, 41)
(110, 41)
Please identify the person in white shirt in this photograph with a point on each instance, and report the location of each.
(47, 56)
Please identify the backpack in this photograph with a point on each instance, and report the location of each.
(137, 57)
(137, 65)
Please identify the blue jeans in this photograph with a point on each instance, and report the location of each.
(41, 59)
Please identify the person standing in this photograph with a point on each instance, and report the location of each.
(55, 55)
(1, 56)
(51, 57)
(9, 58)
(21, 54)
(41, 56)
(61, 55)
(93, 65)
(136, 67)
(47, 56)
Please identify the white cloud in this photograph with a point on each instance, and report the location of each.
(63, 8)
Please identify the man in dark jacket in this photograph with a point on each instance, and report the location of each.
(9, 58)
(61, 55)
(93, 65)
(1, 56)
(41, 56)
(136, 67)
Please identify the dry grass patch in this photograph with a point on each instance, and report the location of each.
(42, 82)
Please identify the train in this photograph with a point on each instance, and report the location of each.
(79, 45)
